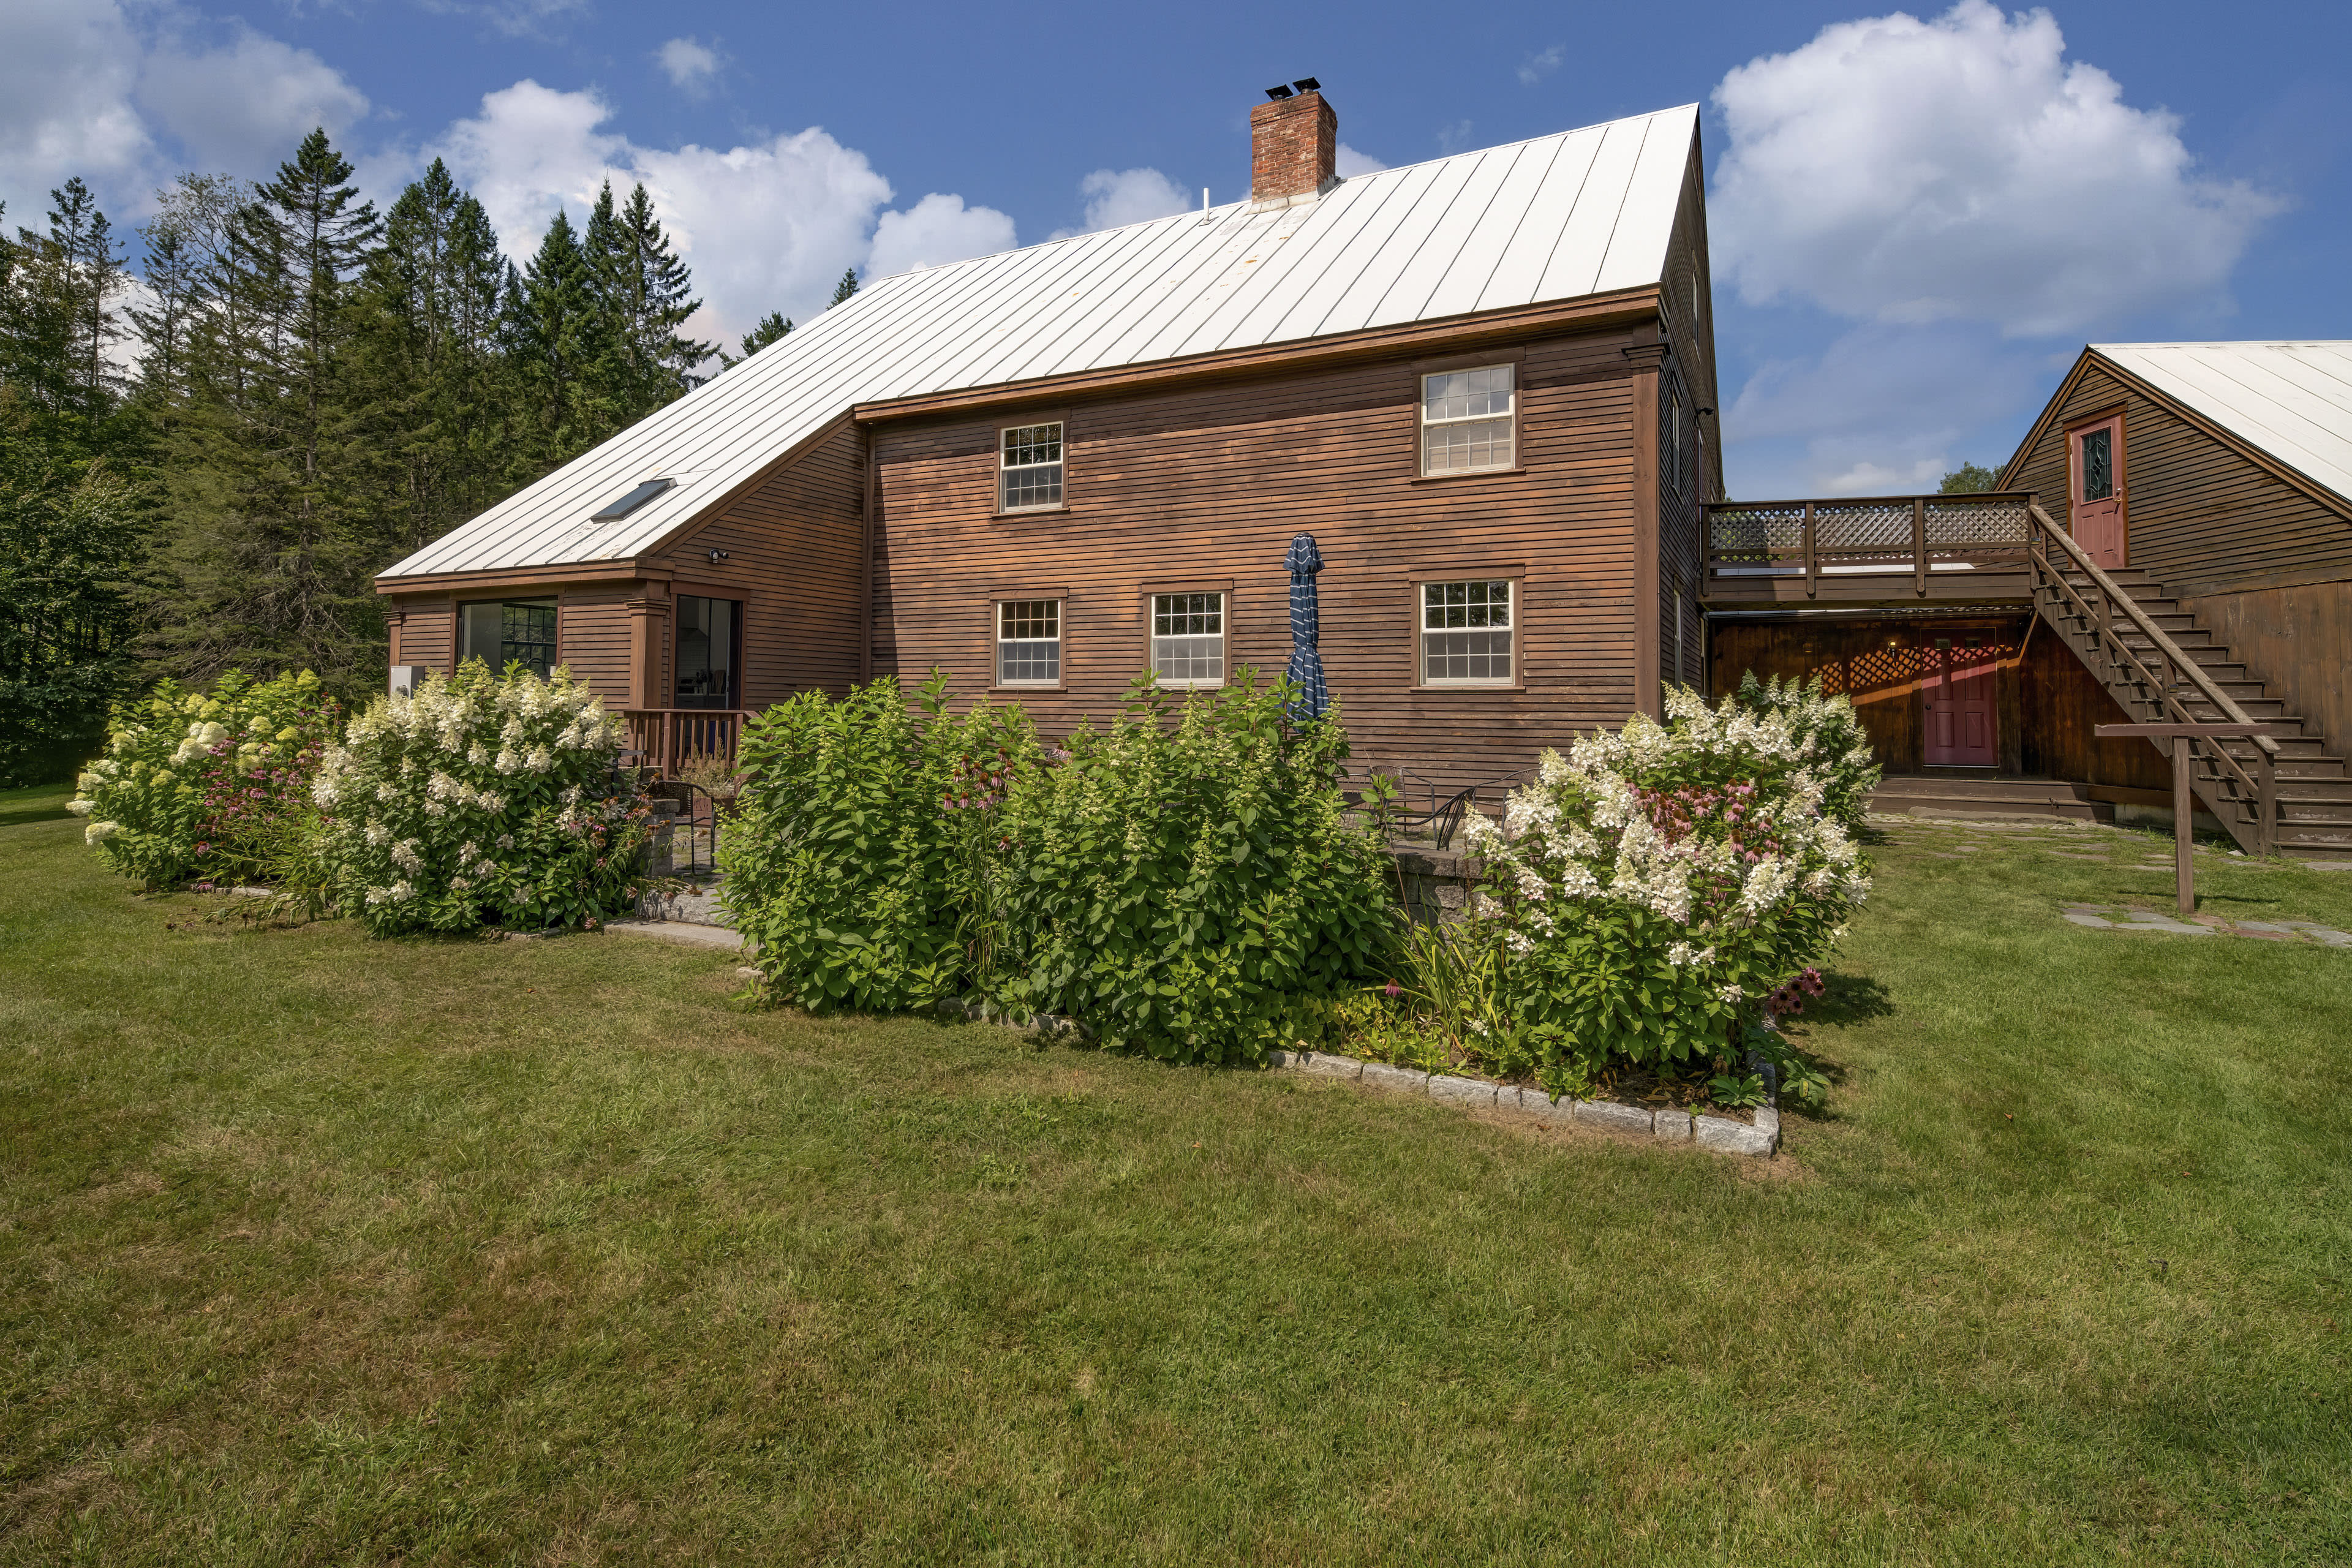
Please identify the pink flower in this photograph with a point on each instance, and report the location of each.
(1392, 990)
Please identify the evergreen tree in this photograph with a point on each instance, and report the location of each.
(648, 294)
(772, 326)
(561, 341)
(435, 387)
(187, 245)
(844, 290)
(59, 326)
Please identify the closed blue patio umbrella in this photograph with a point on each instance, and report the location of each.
(1306, 671)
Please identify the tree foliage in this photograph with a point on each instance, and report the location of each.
(205, 471)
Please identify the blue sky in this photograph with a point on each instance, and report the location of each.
(1918, 218)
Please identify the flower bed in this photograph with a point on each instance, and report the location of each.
(482, 800)
(212, 785)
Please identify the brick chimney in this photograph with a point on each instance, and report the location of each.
(1294, 145)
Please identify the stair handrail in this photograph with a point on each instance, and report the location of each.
(2261, 793)
(2147, 627)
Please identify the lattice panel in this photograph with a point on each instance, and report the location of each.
(1756, 534)
(1951, 525)
(1872, 528)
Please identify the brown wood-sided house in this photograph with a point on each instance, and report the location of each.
(1483, 384)
(2172, 542)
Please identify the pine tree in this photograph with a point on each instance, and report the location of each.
(844, 290)
(435, 387)
(648, 294)
(772, 326)
(561, 343)
(59, 326)
(188, 243)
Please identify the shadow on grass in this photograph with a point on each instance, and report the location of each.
(1850, 999)
(26, 815)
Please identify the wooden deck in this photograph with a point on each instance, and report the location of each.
(1869, 552)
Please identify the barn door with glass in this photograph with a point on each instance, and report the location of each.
(2096, 479)
(1957, 692)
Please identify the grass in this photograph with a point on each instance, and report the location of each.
(319, 1250)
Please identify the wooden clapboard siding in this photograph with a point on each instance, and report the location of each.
(792, 544)
(591, 639)
(1687, 301)
(426, 633)
(2065, 703)
(2298, 641)
(1203, 487)
(2204, 516)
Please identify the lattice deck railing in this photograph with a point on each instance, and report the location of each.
(1868, 535)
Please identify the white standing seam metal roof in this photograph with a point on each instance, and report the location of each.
(2293, 400)
(1584, 211)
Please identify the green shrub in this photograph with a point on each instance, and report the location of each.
(857, 860)
(483, 800)
(1191, 888)
(1653, 887)
(213, 784)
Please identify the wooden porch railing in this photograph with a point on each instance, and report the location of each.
(663, 737)
(1878, 536)
(2093, 614)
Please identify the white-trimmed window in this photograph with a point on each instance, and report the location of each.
(1028, 642)
(1029, 467)
(1467, 420)
(1465, 632)
(1188, 639)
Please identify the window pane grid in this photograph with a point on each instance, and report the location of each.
(1188, 638)
(1028, 642)
(1465, 632)
(1466, 421)
(1032, 464)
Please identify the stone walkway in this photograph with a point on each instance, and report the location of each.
(2125, 916)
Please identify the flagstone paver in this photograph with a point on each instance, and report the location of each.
(2115, 917)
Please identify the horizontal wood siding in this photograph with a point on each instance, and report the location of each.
(591, 639)
(425, 634)
(792, 544)
(1203, 487)
(2202, 516)
(2065, 703)
(2298, 642)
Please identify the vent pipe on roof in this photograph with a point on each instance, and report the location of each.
(1293, 150)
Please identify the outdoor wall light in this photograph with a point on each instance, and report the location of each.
(716, 556)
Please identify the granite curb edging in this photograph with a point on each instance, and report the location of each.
(1758, 1139)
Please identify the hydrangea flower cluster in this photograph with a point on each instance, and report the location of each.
(206, 785)
(481, 800)
(1653, 884)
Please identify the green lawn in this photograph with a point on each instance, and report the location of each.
(319, 1250)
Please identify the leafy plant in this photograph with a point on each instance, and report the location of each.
(1187, 882)
(213, 784)
(858, 863)
(483, 800)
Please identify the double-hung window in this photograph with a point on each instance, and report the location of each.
(1465, 632)
(1029, 467)
(1468, 421)
(1028, 642)
(1188, 639)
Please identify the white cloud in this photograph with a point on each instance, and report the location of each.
(1537, 67)
(516, 19)
(1454, 138)
(937, 229)
(126, 97)
(1907, 170)
(1119, 196)
(248, 105)
(1350, 162)
(766, 227)
(690, 64)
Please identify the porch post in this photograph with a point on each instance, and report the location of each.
(648, 622)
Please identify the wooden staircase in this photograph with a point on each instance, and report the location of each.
(2279, 793)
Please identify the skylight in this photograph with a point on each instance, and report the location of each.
(621, 506)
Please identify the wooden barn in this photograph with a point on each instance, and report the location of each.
(2172, 542)
(1485, 385)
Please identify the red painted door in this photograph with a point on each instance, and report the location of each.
(1957, 690)
(2096, 479)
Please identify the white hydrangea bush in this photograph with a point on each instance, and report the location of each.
(1655, 886)
(482, 800)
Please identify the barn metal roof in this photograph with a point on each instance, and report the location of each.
(2293, 400)
(1584, 211)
